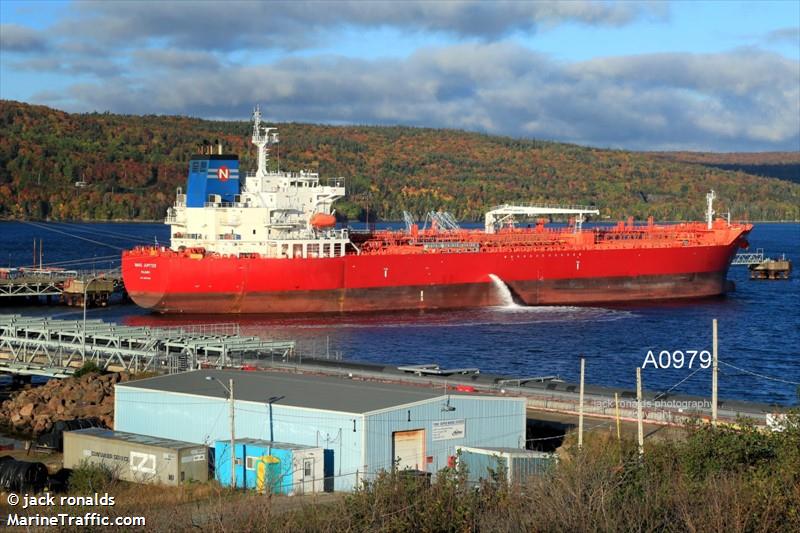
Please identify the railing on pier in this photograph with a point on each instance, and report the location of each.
(749, 258)
(18, 282)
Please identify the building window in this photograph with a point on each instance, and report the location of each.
(250, 462)
(307, 468)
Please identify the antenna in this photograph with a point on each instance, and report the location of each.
(710, 197)
(262, 137)
(447, 407)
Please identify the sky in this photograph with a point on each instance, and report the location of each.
(652, 75)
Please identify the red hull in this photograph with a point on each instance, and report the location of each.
(171, 282)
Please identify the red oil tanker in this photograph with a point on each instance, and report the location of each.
(268, 244)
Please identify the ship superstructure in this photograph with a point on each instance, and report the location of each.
(269, 244)
(270, 212)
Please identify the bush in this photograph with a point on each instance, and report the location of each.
(90, 478)
(716, 479)
(89, 367)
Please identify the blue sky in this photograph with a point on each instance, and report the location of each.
(722, 76)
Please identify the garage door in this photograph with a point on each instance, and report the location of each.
(409, 449)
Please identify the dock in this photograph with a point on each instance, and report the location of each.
(57, 348)
(60, 286)
(771, 269)
(762, 267)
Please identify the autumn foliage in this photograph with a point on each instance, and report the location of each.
(131, 166)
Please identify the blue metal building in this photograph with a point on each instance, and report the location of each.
(369, 426)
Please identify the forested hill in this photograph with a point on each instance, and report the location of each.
(783, 165)
(131, 166)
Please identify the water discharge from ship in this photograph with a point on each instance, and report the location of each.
(506, 297)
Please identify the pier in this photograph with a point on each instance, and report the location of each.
(771, 269)
(57, 348)
(764, 267)
(68, 286)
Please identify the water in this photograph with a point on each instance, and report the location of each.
(506, 298)
(759, 323)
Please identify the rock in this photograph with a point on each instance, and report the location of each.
(41, 423)
(35, 409)
(54, 404)
(26, 410)
(93, 397)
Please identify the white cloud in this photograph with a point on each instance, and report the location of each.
(741, 100)
(299, 24)
(21, 39)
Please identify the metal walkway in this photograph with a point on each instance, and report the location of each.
(35, 282)
(749, 258)
(56, 348)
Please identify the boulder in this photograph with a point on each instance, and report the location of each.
(54, 404)
(27, 410)
(36, 409)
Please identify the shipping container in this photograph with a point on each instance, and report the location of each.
(137, 458)
(275, 467)
(514, 464)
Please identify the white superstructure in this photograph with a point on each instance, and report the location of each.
(271, 216)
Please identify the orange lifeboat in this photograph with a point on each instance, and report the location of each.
(323, 220)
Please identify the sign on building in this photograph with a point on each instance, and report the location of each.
(449, 429)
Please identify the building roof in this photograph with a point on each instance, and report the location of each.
(146, 440)
(328, 393)
(275, 445)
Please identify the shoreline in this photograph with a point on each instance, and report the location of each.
(160, 221)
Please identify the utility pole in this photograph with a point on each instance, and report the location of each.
(40, 254)
(229, 390)
(714, 370)
(86, 282)
(639, 410)
(580, 407)
(233, 437)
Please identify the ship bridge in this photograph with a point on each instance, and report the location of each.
(506, 212)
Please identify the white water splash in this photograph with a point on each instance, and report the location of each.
(506, 298)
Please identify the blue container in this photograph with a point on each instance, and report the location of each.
(275, 467)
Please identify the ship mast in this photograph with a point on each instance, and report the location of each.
(262, 138)
(710, 197)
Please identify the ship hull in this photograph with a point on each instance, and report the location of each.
(173, 283)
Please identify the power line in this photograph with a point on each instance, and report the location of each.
(106, 233)
(42, 226)
(678, 383)
(762, 376)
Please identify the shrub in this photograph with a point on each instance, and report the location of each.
(90, 478)
(88, 367)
